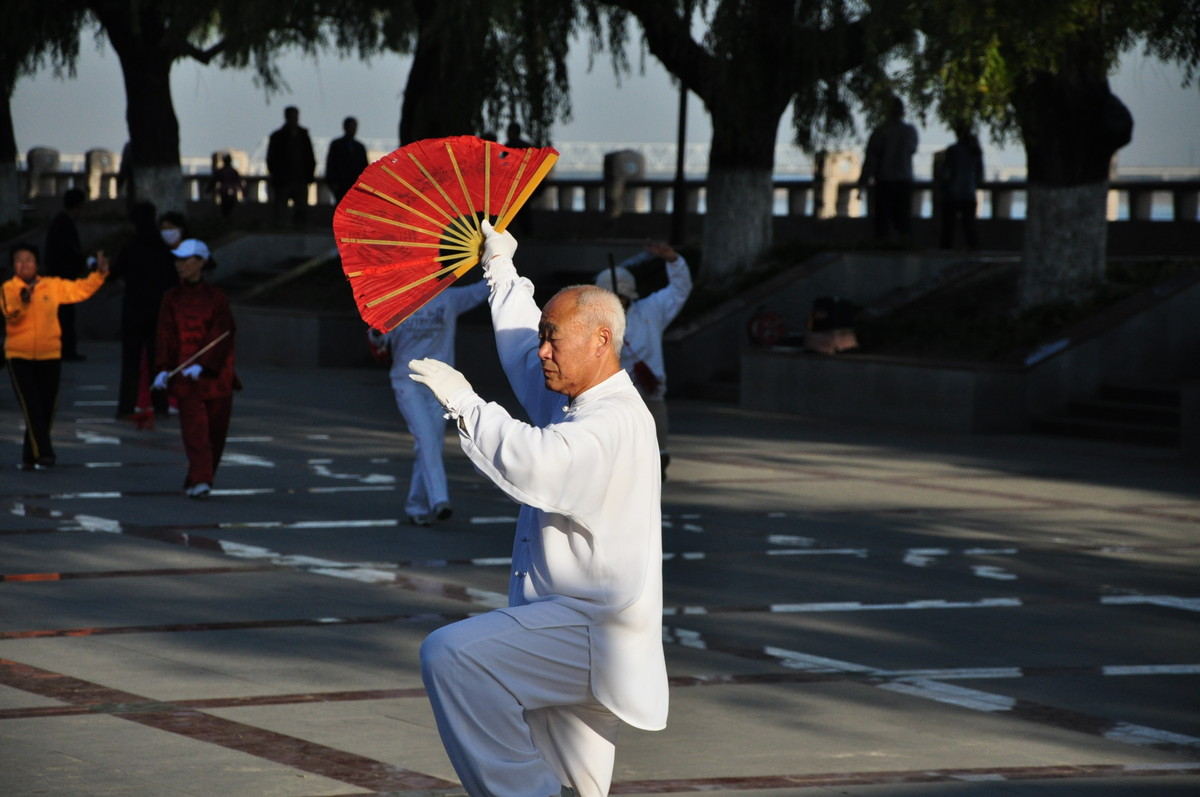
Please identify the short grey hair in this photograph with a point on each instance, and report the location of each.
(600, 308)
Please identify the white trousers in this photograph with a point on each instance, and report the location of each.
(423, 415)
(515, 709)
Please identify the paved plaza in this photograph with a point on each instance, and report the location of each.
(849, 611)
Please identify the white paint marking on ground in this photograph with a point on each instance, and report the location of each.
(858, 606)
(60, 496)
(248, 460)
(993, 572)
(923, 557)
(951, 694)
(1170, 601)
(790, 539)
(485, 520)
(1152, 669)
(371, 478)
(692, 527)
(249, 439)
(318, 437)
(92, 438)
(1142, 736)
(95, 403)
(103, 464)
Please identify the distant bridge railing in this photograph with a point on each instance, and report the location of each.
(1170, 199)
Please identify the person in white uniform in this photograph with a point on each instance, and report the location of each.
(645, 321)
(528, 698)
(429, 332)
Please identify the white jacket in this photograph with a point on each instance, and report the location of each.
(646, 319)
(589, 534)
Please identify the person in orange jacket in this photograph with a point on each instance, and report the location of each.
(33, 343)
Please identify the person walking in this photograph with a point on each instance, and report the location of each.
(195, 362)
(528, 698)
(33, 343)
(645, 321)
(429, 332)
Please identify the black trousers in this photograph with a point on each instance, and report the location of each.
(36, 384)
(137, 346)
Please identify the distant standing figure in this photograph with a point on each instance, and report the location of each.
(888, 168)
(228, 185)
(195, 340)
(33, 345)
(514, 136)
(645, 321)
(961, 175)
(429, 332)
(291, 164)
(147, 269)
(64, 257)
(345, 161)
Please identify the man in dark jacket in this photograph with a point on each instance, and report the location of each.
(346, 160)
(291, 164)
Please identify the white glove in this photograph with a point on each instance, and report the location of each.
(192, 371)
(442, 379)
(496, 243)
(160, 381)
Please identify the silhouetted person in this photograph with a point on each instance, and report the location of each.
(147, 269)
(291, 164)
(64, 257)
(888, 168)
(345, 161)
(228, 185)
(514, 136)
(961, 174)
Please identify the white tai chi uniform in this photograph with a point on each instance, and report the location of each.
(530, 696)
(645, 321)
(429, 332)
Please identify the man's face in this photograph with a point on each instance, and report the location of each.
(569, 351)
(25, 265)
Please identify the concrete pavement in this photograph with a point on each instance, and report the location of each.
(850, 610)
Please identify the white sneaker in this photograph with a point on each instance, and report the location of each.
(200, 490)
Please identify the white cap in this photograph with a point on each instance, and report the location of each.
(191, 247)
(626, 284)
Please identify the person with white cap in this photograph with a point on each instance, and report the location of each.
(645, 321)
(429, 332)
(195, 363)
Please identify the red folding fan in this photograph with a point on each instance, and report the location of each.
(410, 226)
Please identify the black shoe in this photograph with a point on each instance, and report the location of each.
(443, 511)
(45, 462)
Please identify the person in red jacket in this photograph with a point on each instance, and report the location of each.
(195, 364)
(33, 343)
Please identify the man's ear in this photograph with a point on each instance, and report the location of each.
(603, 339)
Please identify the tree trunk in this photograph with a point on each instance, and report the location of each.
(10, 190)
(739, 217)
(445, 91)
(149, 111)
(1072, 125)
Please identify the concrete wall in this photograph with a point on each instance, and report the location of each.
(709, 348)
(1153, 338)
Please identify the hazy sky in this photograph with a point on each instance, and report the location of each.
(220, 109)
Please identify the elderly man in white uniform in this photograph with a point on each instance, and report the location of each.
(645, 321)
(528, 698)
(429, 332)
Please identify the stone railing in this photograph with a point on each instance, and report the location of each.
(1138, 200)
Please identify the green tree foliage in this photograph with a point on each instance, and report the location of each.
(1038, 70)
